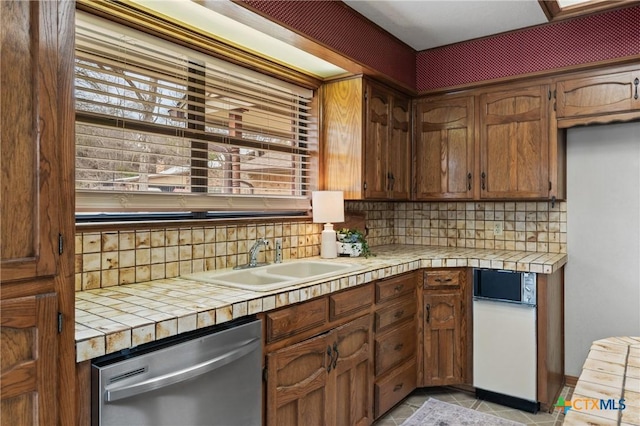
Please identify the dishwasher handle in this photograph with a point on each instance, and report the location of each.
(182, 375)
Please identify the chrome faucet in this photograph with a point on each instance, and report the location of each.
(253, 252)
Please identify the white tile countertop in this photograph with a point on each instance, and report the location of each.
(608, 390)
(120, 317)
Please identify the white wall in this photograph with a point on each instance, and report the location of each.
(602, 281)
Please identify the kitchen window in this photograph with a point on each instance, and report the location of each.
(163, 128)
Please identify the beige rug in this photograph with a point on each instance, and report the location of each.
(438, 413)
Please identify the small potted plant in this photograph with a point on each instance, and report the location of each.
(351, 242)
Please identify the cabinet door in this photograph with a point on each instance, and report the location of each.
(377, 177)
(602, 94)
(399, 161)
(29, 360)
(445, 149)
(30, 175)
(514, 143)
(352, 369)
(298, 391)
(443, 345)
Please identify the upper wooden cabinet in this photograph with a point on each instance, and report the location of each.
(498, 144)
(514, 143)
(598, 97)
(366, 140)
(444, 165)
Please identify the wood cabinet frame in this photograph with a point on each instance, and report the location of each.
(38, 210)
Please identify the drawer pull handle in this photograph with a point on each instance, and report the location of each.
(397, 387)
(428, 312)
(635, 83)
(469, 181)
(335, 350)
(330, 355)
(440, 280)
(398, 347)
(398, 288)
(399, 313)
(484, 177)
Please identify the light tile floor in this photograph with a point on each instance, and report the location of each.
(454, 396)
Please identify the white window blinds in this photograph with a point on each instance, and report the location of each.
(160, 127)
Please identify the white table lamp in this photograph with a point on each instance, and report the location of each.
(328, 206)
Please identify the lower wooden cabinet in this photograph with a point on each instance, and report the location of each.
(319, 362)
(322, 380)
(396, 330)
(29, 360)
(444, 329)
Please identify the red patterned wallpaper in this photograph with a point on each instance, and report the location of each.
(594, 38)
(339, 27)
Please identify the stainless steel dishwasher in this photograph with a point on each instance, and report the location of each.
(201, 379)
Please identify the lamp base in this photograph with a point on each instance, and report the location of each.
(328, 249)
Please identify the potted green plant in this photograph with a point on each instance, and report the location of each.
(352, 242)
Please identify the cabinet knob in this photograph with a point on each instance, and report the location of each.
(397, 387)
(398, 347)
(399, 313)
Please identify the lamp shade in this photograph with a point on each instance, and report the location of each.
(328, 206)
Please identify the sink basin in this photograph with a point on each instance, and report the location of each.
(308, 268)
(276, 276)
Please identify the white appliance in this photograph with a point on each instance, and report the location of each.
(504, 338)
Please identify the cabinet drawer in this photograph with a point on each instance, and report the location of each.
(394, 287)
(395, 348)
(393, 388)
(397, 313)
(289, 321)
(350, 301)
(442, 279)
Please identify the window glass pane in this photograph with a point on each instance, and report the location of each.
(157, 118)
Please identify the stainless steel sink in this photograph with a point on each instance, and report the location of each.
(276, 276)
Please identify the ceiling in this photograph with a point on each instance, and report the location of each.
(425, 24)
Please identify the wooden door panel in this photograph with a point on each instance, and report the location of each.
(532, 159)
(458, 162)
(400, 149)
(428, 163)
(443, 353)
(353, 372)
(376, 142)
(29, 360)
(297, 376)
(514, 144)
(445, 144)
(30, 131)
(597, 95)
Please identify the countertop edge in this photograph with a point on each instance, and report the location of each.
(126, 328)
